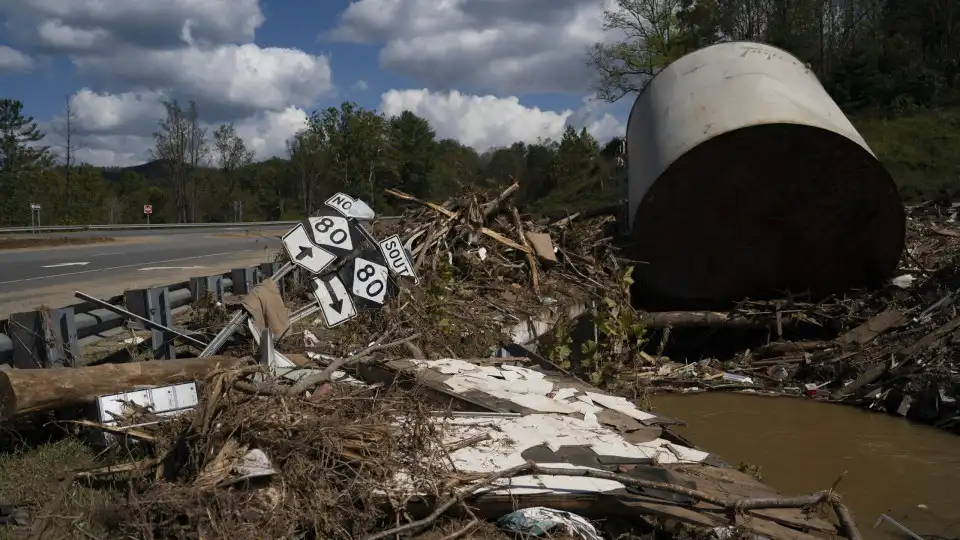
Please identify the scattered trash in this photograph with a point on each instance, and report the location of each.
(540, 521)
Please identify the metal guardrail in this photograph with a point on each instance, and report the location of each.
(144, 226)
(134, 226)
(91, 320)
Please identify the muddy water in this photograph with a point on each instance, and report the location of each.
(909, 472)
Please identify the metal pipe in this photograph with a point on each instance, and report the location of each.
(94, 321)
(238, 319)
(146, 322)
(890, 520)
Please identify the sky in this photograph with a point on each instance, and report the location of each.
(485, 72)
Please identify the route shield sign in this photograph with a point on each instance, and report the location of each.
(368, 279)
(336, 306)
(332, 232)
(304, 253)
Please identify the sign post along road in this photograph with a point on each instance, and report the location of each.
(148, 209)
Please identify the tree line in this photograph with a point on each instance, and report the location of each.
(202, 176)
(878, 56)
(885, 59)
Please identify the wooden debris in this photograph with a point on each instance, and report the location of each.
(24, 391)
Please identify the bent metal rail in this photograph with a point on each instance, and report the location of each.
(90, 320)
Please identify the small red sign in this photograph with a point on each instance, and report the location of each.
(147, 209)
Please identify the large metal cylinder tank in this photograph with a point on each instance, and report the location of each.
(746, 179)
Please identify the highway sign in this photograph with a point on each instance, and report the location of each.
(34, 206)
(304, 253)
(333, 232)
(368, 279)
(147, 209)
(398, 261)
(350, 207)
(336, 306)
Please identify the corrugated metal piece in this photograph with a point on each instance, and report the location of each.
(746, 178)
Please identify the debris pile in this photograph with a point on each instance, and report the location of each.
(889, 349)
(427, 415)
(490, 388)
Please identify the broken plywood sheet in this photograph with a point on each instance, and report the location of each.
(575, 444)
(509, 437)
(526, 389)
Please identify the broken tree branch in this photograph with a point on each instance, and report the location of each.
(309, 382)
(531, 259)
(733, 506)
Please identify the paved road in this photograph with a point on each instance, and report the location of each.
(49, 276)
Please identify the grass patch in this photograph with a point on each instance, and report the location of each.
(22, 242)
(921, 151)
(31, 475)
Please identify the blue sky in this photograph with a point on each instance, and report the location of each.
(487, 72)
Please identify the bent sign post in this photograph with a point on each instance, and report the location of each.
(362, 280)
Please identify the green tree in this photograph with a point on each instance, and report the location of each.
(231, 155)
(651, 31)
(23, 161)
(414, 152)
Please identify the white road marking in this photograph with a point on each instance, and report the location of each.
(107, 254)
(125, 266)
(65, 264)
(147, 269)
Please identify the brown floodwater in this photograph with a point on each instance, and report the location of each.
(907, 471)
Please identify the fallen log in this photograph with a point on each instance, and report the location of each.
(24, 391)
(706, 319)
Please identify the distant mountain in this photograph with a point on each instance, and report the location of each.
(151, 170)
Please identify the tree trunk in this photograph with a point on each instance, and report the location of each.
(24, 391)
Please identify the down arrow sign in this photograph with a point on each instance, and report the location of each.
(337, 303)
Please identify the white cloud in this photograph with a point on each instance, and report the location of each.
(120, 150)
(90, 26)
(267, 133)
(484, 122)
(361, 85)
(116, 129)
(226, 81)
(506, 47)
(129, 112)
(14, 60)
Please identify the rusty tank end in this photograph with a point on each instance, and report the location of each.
(745, 179)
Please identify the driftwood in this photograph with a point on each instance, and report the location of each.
(24, 391)
(706, 319)
(732, 506)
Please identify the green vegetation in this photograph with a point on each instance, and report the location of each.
(892, 66)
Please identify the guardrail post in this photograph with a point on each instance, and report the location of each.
(243, 280)
(44, 339)
(268, 269)
(154, 304)
(201, 286)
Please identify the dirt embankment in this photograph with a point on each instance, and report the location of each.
(28, 242)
